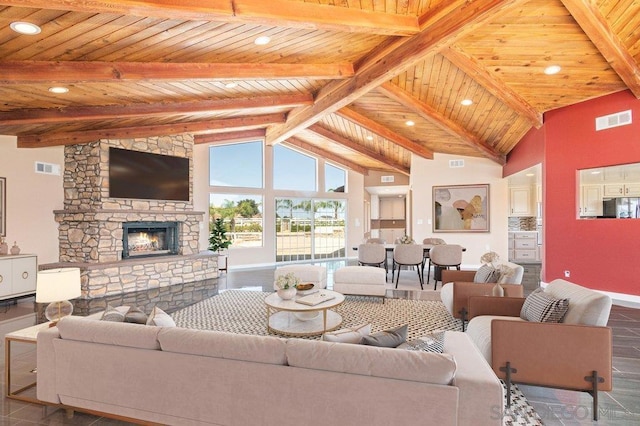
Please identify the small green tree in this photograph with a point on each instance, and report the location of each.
(218, 239)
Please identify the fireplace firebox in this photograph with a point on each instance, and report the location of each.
(142, 239)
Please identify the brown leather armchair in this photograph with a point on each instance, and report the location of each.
(459, 287)
(575, 354)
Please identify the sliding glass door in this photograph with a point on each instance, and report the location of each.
(308, 229)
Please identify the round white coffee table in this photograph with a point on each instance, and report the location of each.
(291, 318)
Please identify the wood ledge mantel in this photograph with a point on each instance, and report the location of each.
(120, 211)
(126, 262)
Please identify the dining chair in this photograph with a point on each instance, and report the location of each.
(409, 255)
(432, 242)
(373, 255)
(375, 241)
(444, 256)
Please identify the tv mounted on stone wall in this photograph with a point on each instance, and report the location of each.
(147, 176)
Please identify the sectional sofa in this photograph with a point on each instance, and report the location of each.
(181, 376)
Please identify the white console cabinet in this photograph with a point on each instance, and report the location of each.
(17, 275)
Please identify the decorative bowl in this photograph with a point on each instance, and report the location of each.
(306, 316)
(304, 287)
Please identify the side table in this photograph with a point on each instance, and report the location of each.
(26, 335)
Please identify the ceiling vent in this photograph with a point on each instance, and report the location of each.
(455, 164)
(387, 179)
(47, 168)
(613, 120)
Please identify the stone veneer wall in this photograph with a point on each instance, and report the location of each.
(90, 226)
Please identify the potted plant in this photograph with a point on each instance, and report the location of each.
(219, 241)
(287, 285)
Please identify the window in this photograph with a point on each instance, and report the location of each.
(334, 179)
(293, 171)
(309, 229)
(226, 170)
(242, 216)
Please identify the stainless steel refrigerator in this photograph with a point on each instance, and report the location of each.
(621, 207)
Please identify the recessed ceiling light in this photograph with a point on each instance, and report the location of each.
(231, 85)
(530, 174)
(369, 138)
(58, 89)
(261, 41)
(466, 102)
(595, 172)
(552, 69)
(410, 123)
(25, 28)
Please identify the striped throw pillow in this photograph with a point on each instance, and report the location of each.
(486, 274)
(542, 307)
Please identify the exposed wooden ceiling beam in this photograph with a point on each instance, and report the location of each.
(272, 13)
(238, 135)
(429, 113)
(33, 116)
(211, 126)
(590, 19)
(354, 146)
(30, 72)
(326, 155)
(496, 87)
(380, 68)
(385, 132)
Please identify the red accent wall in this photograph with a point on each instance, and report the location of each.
(602, 254)
(527, 153)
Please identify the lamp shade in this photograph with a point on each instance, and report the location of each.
(54, 285)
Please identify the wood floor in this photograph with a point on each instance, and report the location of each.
(556, 407)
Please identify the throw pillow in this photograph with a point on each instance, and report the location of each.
(160, 318)
(387, 338)
(112, 314)
(433, 342)
(486, 274)
(542, 307)
(136, 316)
(348, 335)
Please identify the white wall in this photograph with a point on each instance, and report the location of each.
(428, 173)
(32, 198)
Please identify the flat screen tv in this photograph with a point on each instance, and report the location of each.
(142, 175)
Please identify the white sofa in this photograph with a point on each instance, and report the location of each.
(190, 377)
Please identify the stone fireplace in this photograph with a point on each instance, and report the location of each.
(98, 233)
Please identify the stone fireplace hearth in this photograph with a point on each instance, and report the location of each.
(92, 224)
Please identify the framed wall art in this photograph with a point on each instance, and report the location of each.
(461, 208)
(3, 207)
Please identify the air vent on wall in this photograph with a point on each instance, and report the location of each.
(47, 168)
(387, 179)
(453, 164)
(613, 120)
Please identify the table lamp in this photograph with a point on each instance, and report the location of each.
(56, 286)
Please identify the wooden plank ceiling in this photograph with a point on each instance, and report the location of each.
(338, 78)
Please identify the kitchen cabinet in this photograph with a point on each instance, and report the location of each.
(392, 208)
(17, 275)
(525, 246)
(391, 235)
(622, 190)
(590, 200)
(520, 201)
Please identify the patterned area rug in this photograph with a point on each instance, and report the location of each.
(244, 312)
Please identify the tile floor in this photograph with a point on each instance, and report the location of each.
(556, 407)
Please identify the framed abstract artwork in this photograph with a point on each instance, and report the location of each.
(461, 208)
